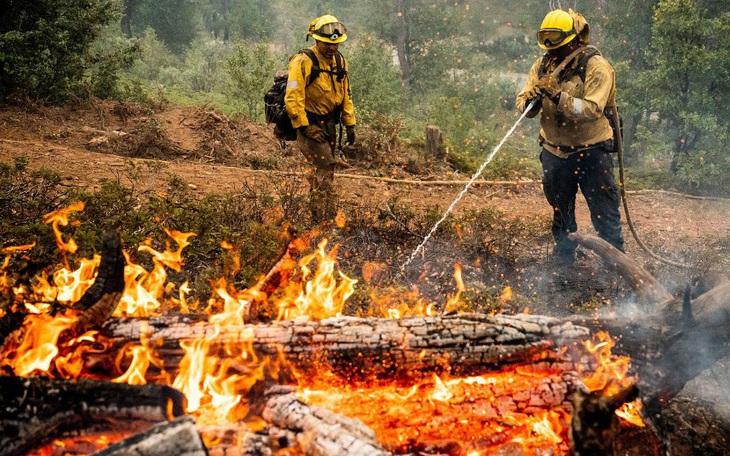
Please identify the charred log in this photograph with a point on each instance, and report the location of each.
(677, 339)
(648, 288)
(110, 275)
(594, 425)
(173, 438)
(375, 348)
(670, 344)
(98, 302)
(33, 410)
(319, 431)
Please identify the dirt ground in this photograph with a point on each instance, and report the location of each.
(213, 153)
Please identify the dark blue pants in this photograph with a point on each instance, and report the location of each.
(592, 171)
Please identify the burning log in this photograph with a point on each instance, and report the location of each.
(372, 347)
(97, 304)
(594, 424)
(670, 344)
(674, 341)
(35, 409)
(317, 431)
(173, 438)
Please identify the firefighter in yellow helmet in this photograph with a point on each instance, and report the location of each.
(317, 103)
(576, 135)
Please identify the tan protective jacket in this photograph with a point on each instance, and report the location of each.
(320, 97)
(577, 121)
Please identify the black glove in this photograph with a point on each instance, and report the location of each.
(314, 133)
(350, 130)
(533, 94)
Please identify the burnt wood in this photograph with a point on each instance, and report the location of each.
(671, 343)
(110, 274)
(318, 431)
(374, 348)
(178, 437)
(594, 424)
(34, 410)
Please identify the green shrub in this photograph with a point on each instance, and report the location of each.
(44, 44)
(251, 68)
(376, 85)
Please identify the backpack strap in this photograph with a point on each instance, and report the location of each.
(339, 72)
(316, 70)
(583, 53)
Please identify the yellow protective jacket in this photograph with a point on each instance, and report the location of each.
(322, 96)
(577, 121)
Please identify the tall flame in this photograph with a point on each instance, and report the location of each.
(319, 295)
(39, 346)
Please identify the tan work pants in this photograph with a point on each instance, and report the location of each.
(322, 192)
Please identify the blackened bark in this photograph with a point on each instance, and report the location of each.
(35, 410)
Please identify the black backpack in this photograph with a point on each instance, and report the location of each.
(274, 106)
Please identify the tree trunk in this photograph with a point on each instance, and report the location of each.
(401, 43)
(126, 22)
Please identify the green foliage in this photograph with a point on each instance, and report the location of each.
(26, 196)
(156, 62)
(176, 22)
(375, 80)
(251, 68)
(44, 45)
(688, 86)
(240, 218)
(203, 66)
(238, 19)
(108, 57)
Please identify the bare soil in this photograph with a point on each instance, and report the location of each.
(213, 153)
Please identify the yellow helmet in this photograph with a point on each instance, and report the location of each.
(328, 29)
(557, 29)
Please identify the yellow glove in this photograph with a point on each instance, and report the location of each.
(532, 94)
(549, 87)
(314, 133)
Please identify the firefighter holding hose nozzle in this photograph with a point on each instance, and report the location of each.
(573, 89)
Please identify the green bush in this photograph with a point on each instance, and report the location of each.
(376, 86)
(44, 44)
(251, 68)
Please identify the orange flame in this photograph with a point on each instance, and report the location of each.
(611, 375)
(453, 302)
(39, 346)
(60, 217)
(318, 295)
(143, 289)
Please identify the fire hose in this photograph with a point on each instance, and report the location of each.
(624, 199)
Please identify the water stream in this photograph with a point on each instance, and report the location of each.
(466, 188)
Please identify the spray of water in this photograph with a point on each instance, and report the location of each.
(466, 188)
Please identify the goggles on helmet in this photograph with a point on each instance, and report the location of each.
(552, 37)
(331, 31)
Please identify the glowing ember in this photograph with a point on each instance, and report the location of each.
(470, 415)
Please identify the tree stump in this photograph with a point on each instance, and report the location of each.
(434, 142)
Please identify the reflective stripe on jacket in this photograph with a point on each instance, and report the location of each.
(322, 96)
(577, 121)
